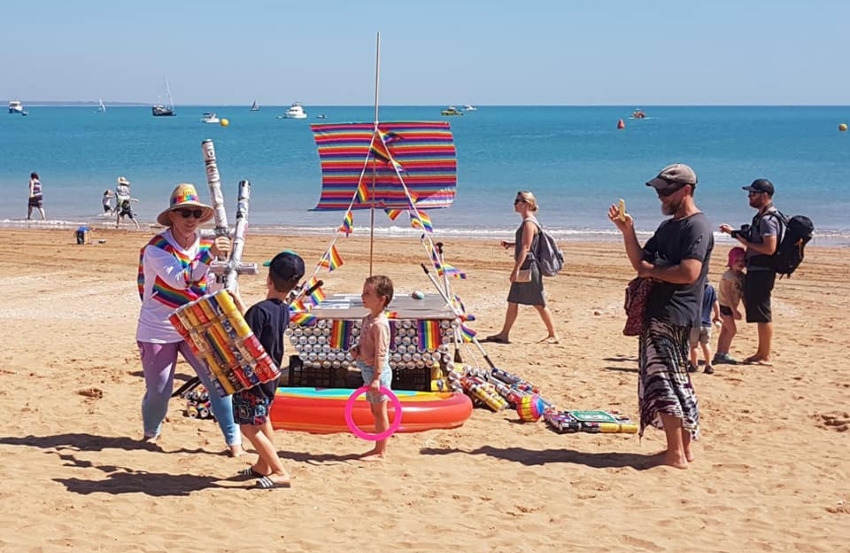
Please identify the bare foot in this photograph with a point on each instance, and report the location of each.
(549, 340)
(674, 459)
(373, 455)
(236, 450)
(688, 455)
(150, 439)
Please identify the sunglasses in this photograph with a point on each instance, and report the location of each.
(668, 191)
(519, 201)
(754, 193)
(186, 213)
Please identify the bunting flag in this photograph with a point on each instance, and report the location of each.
(317, 296)
(331, 260)
(341, 334)
(393, 213)
(347, 223)
(428, 334)
(425, 150)
(467, 333)
(303, 318)
(421, 221)
(451, 272)
(363, 192)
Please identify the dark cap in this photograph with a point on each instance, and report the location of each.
(287, 265)
(674, 177)
(760, 185)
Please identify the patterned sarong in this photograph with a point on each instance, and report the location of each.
(664, 385)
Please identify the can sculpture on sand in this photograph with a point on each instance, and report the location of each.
(219, 336)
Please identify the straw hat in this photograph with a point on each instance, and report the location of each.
(123, 180)
(185, 196)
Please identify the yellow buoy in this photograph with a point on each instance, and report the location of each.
(842, 127)
(224, 122)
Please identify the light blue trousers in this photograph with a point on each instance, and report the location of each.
(159, 362)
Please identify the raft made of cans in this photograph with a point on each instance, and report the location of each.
(219, 336)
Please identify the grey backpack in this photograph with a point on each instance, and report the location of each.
(549, 257)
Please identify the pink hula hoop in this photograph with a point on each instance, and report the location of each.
(349, 420)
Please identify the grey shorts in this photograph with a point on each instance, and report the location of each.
(700, 335)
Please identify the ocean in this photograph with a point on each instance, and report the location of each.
(574, 159)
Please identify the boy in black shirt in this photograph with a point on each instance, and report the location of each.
(268, 320)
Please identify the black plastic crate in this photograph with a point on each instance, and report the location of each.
(311, 377)
(417, 380)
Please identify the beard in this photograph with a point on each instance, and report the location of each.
(670, 208)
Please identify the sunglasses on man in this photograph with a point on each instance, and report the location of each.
(186, 213)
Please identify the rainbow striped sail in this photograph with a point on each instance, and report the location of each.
(424, 154)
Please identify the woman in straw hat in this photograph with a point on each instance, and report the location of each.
(174, 270)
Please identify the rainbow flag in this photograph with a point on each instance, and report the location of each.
(317, 296)
(302, 318)
(422, 221)
(452, 272)
(362, 192)
(393, 213)
(467, 333)
(341, 335)
(331, 260)
(435, 259)
(428, 331)
(347, 223)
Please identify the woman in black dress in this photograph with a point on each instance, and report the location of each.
(531, 291)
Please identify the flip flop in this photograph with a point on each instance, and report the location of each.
(549, 340)
(267, 483)
(760, 362)
(495, 340)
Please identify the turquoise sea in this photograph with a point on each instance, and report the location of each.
(573, 158)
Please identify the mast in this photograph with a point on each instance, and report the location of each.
(377, 83)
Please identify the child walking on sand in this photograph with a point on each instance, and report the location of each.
(701, 335)
(730, 296)
(268, 320)
(372, 355)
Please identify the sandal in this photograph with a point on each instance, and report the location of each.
(495, 340)
(267, 483)
(550, 340)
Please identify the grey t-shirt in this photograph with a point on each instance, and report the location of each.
(674, 241)
(763, 225)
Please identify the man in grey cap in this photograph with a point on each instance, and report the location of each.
(761, 239)
(676, 259)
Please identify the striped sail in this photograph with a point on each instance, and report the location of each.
(424, 154)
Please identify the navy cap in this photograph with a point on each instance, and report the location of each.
(287, 265)
(760, 185)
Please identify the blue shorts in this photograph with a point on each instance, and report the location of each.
(369, 373)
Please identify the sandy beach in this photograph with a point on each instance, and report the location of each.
(771, 470)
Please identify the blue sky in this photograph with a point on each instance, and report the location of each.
(434, 52)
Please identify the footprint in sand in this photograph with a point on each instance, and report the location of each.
(836, 420)
(94, 393)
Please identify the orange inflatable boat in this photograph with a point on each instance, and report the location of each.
(322, 410)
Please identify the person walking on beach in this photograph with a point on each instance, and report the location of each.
(122, 202)
(36, 199)
(268, 320)
(729, 297)
(701, 333)
(106, 202)
(676, 258)
(761, 238)
(526, 280)
(174, 270)
(372, 356)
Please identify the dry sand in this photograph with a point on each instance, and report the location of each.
(771, 474)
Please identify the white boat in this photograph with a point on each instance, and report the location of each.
(167, 110)
(470, 108)
(295, 111)
(15, 106)
(210, 117)
(255, 107)
(101, 108)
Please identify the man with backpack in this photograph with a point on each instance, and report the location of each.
(761, 239)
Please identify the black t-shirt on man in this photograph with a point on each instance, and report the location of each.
(676, 240)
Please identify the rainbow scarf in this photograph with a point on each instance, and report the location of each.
(162, 291)
(428, 334)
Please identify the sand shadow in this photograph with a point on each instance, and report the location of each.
(622, 369)
(89, 442)
(317, 458)
(530, 457)
(622, 359)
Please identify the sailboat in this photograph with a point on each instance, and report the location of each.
(255, 107)
(101, 108)
(160, 110)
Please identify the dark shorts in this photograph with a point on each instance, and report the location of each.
(726, 310)
(36, 202)
(758, 286)
(252, 406)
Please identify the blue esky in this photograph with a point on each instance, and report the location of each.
(434, 52)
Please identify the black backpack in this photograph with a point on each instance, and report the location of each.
(795, 233)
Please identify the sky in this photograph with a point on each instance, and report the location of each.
(434, 52)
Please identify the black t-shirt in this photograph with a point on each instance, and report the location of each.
(674, 241)
(268, 320)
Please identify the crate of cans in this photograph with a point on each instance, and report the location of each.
(414, 343)
(219, 336)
